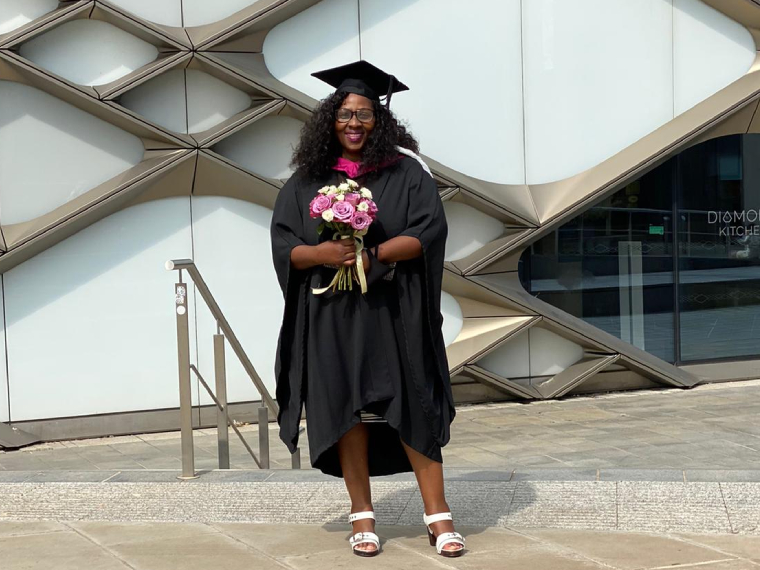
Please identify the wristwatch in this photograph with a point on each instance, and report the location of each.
(392, 265)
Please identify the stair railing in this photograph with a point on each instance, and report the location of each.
(223, 420)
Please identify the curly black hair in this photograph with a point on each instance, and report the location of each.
(318, 147)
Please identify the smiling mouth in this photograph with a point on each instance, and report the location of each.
(354, 137)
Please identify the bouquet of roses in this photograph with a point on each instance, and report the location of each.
(347, 210)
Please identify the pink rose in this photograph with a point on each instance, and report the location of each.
(360, 220)
(343, 211)
(319, 205)
(352, 198)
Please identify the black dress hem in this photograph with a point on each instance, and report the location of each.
(331, 465)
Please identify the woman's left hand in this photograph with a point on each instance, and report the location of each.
(365, 261)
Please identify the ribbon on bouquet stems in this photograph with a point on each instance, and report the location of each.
(343, 278)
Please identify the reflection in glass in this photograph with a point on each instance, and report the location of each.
(615, 266)
(719, 248)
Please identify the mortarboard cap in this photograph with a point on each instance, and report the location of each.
(362, 78)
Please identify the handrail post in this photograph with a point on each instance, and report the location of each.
(222, 420)
(264, 435)
(295, 459)
(185, 390)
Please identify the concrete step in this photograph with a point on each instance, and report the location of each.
(498, 499)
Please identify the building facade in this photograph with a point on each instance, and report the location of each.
(598, 162)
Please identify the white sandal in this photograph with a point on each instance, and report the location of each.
(445, 537)
(364, 537)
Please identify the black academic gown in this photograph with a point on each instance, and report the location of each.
(381, 352)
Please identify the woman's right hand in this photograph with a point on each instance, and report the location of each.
(337, 252)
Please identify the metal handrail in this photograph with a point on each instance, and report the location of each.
(220, 399)
(189, 266)
(229, 421)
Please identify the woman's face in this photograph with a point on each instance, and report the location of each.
(353, 134)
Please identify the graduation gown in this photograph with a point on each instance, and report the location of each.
(382, 352)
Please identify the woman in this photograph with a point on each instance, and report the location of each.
(349, 355)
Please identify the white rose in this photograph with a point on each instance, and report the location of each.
(362, 207)
(344, 187)
(323, 190)
(351, 183)
(328, 215)
(332, 190)
(340, 197)
(366, 193)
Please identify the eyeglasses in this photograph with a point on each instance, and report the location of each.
(343, 115)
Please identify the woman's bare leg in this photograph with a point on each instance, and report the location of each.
(429, 476)
(352, 451)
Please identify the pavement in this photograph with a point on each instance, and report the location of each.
(190, 546)
(650, 479)
(710, 427)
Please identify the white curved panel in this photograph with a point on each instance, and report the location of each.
(536, 352)
(89, 52)
(226, 231)
(510, 360)
(160, 100)
(200, 12)
(301, 45)
(52, 152)
(463, 68)
(211, 101)
(16, 13)
(452, 318)
(598, 76)
(710, 51)
(550, 353)
(4, 402)
(469, 230)
(164, 12)
(90, 323)
(265, 147)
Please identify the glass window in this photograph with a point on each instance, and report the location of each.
(719, 249)
(613, 265)
(616, 265)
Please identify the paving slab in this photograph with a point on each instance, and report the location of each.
(18, 528)
(290, 539)
(630, 551)
(723, 475)
(393, 557)
(85, 476)
(59, 550)
(641, 475)
(747, 547)
(192, 552)
(555, 474)
(534, 558)
(109, 534)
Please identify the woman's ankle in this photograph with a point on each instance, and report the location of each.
(435, 508)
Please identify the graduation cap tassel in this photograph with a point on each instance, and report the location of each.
(391, 86)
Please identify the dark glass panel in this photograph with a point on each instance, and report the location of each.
(613, 265)
(719, 248)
